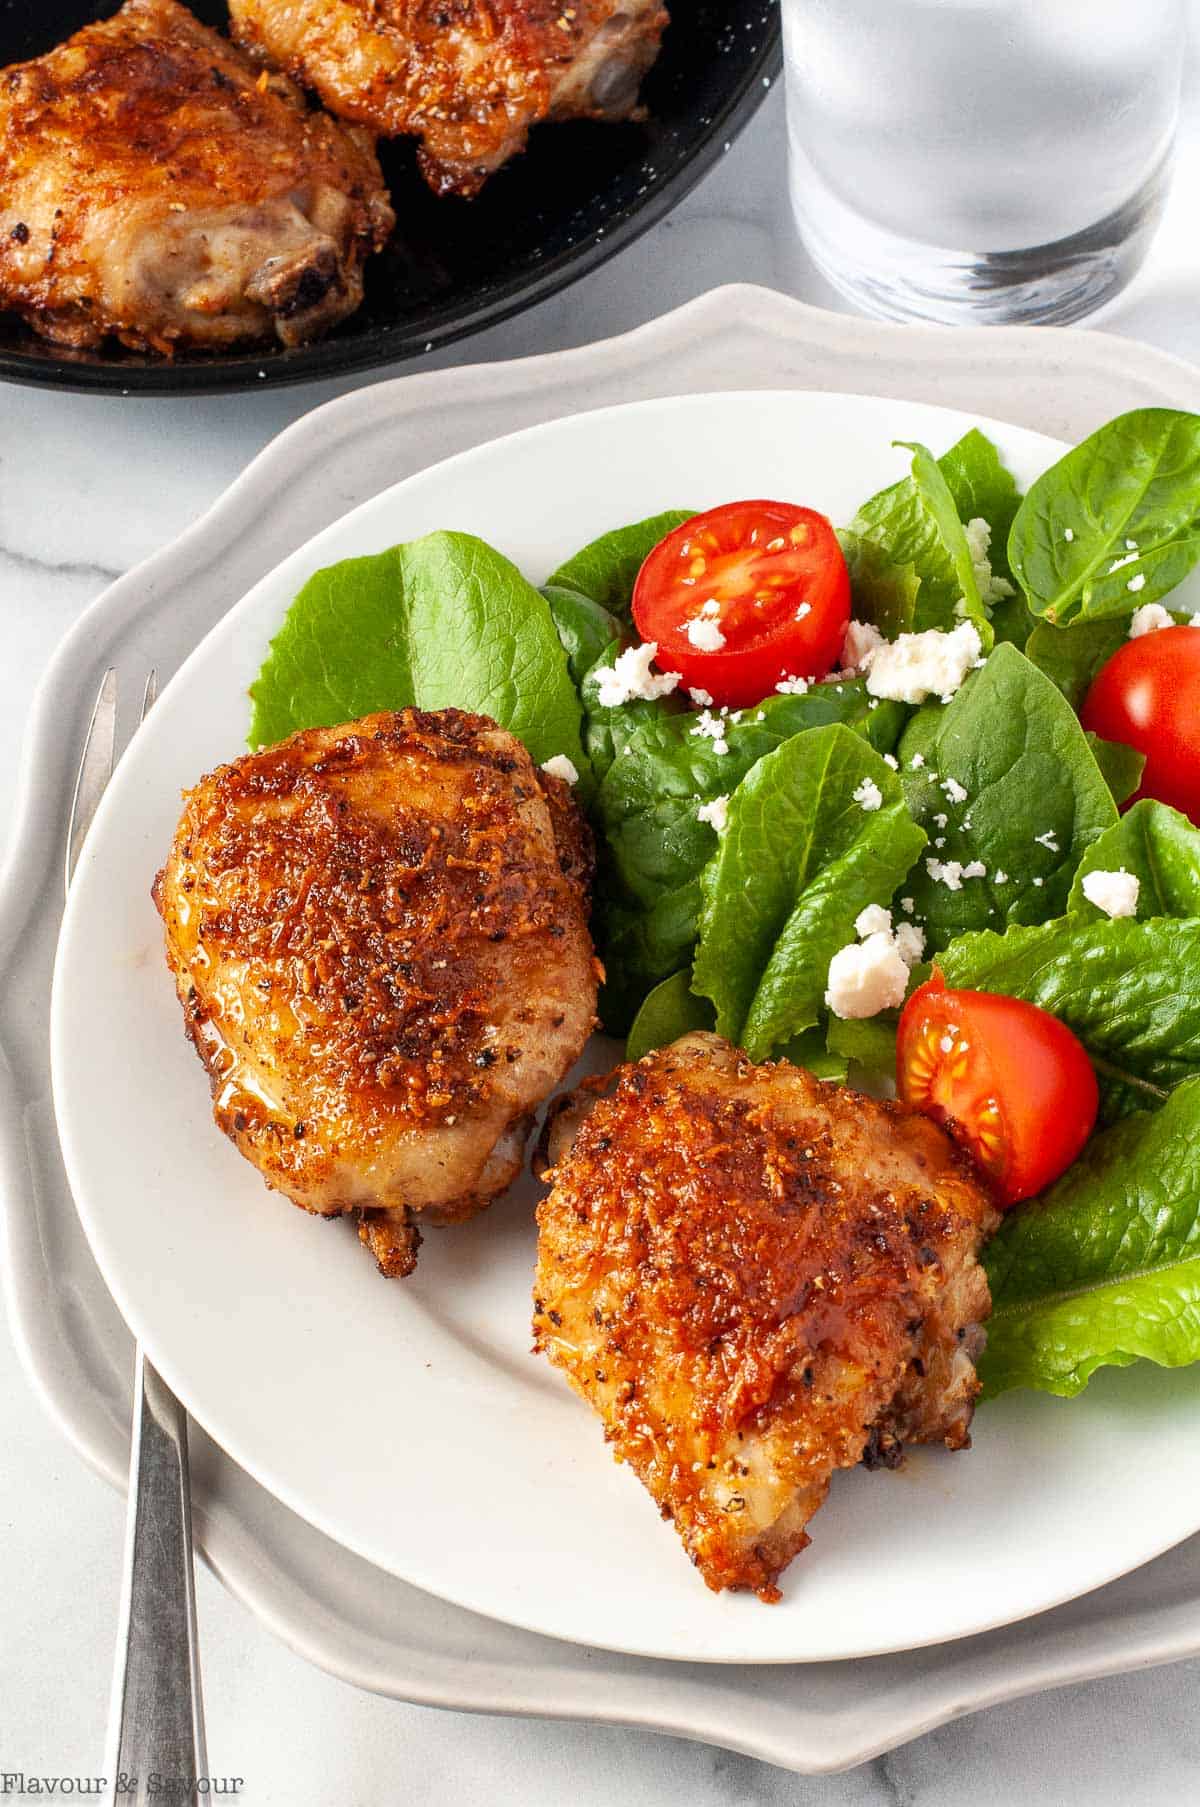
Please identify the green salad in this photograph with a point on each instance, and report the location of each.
(994, 784)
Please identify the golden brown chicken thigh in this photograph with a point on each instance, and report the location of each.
(744, 1271)
(467, 77)
(379, 938)
(155, 185)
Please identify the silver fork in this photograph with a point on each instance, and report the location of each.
(156, 1718)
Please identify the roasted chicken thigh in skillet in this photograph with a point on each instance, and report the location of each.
(157, 186)
(756, 1279)
(466, 77)
(379, 938)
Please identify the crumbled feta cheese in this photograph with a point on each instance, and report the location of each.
(868, 795)
(979, 539)
(1068, 534)
(891, 760)
(1131, 545)
(917, 666)
(1119, 564)
(874, 920)
(792, 686)
(946, 872)
(940, 820)
(910, 943)
(1039, 882)
(630, 676)
(561, 767)
(862, 642)
(701, 698)
(804, 609)
(866, 977)
(715, 813)
(712, 728)
(1048, 840)
(1116, 893)
(908, 904)
(1149, 619)
(956, 792)
(951, 873)
(917, 761)
(711, 608)
(1000, 878)
(704, 634)
(1137, 583)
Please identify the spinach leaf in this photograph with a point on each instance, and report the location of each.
(914, 523)
(650, 796)
(638, 946)
(870, 1042)
(585, 629)
(1130, 990)
(606, 568)
(1121, 767)
(1035, 800)
(606, 730)
(671, 1010)
(800, 857)
(1072, 656)
(1161, 848)
(1105, 1267)
(653, 845)
(442, 621)
(1123, 506)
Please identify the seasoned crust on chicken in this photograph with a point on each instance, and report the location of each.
(155, 185)
(742, 1270)
(467, 77)
(379, 938)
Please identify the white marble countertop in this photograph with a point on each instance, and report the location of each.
(87, 488)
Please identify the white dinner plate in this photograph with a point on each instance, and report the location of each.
(407, 1419)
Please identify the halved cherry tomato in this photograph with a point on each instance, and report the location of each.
(1148, 695)
(743, 596)
(1007, 1080)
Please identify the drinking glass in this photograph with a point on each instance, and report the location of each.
(980, 160)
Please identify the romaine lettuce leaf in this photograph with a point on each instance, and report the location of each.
(1130, 990)
(1035, 800)
(800, 857)
(1161, 848)
(915, 528)
(983, 488)
(442, 621)
(1105, 1267)
(1122, 507)
(607, 568)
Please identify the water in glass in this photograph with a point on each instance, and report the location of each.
(980, 159)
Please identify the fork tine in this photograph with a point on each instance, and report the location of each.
(95, 768)
(149, 694)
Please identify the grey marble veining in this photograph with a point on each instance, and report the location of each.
(90, 486)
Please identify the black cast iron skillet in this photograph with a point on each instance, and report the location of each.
(580, 193)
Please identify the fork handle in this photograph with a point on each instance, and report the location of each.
(156, 1723)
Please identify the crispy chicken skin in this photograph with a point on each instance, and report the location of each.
(466, 77)
(379, 938)
(157, 187)
(744, 1271)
